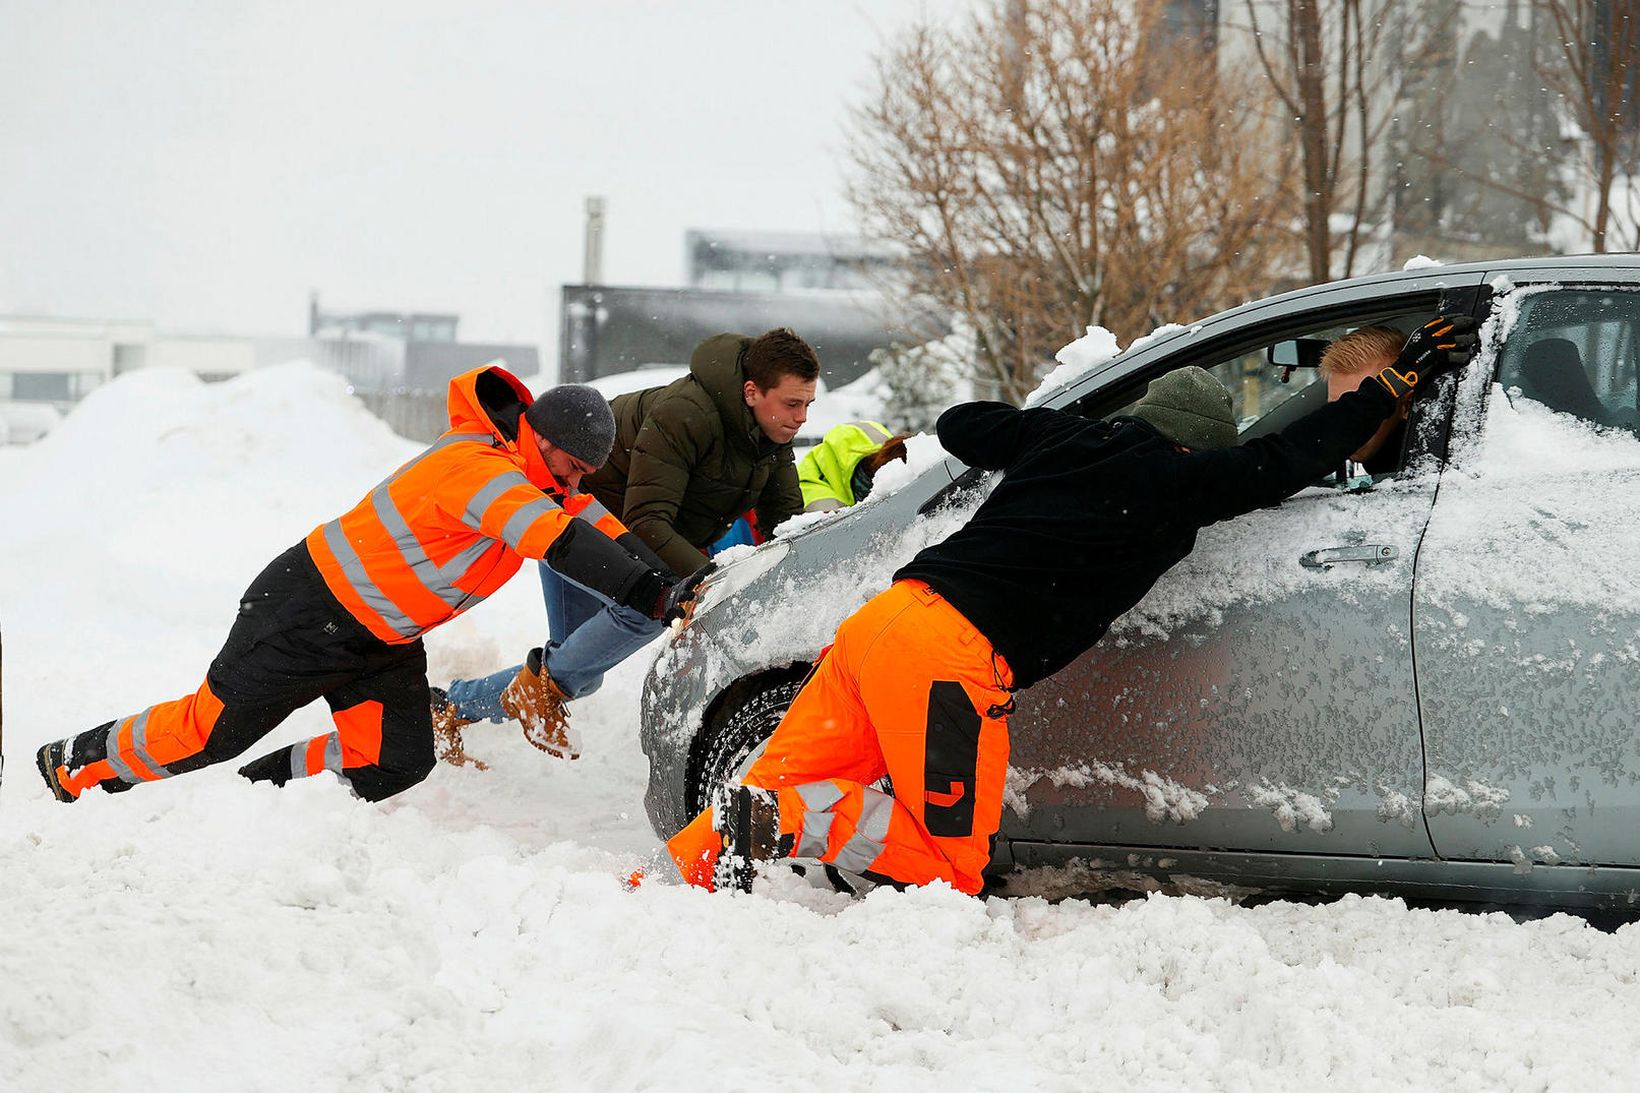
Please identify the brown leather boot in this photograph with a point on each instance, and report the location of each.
(535, 701)
(447, 726)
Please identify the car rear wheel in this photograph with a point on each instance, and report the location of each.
(737, 729)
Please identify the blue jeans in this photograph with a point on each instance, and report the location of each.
(588, 634)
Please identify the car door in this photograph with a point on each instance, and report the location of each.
(1527, 604)
(1251, 701)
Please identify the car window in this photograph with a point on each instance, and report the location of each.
(1259, 389)
(1574, 351)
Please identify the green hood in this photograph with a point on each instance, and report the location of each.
(715, 365)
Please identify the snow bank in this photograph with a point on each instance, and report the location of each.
(207, 934)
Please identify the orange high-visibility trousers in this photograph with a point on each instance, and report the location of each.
(912, 690)
(291, 643)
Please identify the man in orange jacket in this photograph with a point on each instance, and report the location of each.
(918, 685)
(340, 615)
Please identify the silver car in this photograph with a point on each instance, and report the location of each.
(1423, 682)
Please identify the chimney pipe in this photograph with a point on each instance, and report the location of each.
(592, 264)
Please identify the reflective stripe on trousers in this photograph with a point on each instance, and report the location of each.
(319, 754)
(911, 690)
(870, 830)
(132, 733)
(134, 752)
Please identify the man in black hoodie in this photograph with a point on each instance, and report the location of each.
(917, 686)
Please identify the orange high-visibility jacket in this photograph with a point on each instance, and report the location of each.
(449, 527)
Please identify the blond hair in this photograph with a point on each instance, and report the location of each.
(1368, 348)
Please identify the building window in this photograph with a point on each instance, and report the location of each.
(41, 386)
(129, 357)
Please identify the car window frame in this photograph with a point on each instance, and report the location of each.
(1248, 324)
(1123, 378)
(1212, 351)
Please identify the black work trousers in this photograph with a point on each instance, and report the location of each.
(292, 643)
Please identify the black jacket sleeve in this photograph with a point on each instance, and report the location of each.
(588, 556)
(633, 545)
(1228, 482)
(991, 435)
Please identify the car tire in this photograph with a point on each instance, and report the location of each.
(743, 719)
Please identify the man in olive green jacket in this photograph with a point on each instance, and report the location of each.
(689, 459)
(692, 456)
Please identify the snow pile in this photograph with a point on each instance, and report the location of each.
(205, 933)
(26, 422)
(639, 379)
(1076, 360)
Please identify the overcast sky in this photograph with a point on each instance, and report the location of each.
(204, 164)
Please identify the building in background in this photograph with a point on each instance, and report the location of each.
(399, 363)
(406, 350)
(49, 364)
(822, 286)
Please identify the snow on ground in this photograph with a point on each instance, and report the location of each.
(205, 933)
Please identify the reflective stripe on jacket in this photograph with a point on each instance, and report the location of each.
(825, 473)
(450, 527)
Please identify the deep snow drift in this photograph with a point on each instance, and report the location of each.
(204, 933)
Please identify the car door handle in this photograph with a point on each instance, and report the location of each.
(1366, 554)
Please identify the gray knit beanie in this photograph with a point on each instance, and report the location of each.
(1189, 406)
(575, 418)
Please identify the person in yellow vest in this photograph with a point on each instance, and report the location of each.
(838, 471)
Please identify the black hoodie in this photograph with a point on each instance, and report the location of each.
(1089, 514)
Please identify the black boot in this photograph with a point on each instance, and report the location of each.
(273, 767)
(749, 821)
(51, 758)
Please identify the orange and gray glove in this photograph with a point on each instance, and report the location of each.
(677, 601)
(1440, 346)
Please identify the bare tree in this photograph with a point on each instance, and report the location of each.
(1595, 75)
(1335, 69)
(1053, 163)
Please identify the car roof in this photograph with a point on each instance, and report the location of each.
(1414, 279)
(1461, 270)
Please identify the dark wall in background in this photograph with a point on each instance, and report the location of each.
(609, 329)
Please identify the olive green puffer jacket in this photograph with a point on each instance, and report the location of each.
(689, 459)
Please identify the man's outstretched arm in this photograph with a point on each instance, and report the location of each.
(1226, 483)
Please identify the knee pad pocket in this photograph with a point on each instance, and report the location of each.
(951, 759)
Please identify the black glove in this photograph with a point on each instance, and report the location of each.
(1434, 349)
(678, 599)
